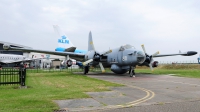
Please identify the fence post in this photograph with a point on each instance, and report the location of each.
(22, 74)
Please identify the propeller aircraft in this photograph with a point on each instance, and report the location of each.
(121, 59)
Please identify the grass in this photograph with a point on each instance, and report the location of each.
(192, 71)
(180, 72)
(43, 88)
(52, 70)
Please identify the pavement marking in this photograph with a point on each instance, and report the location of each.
(149, 95)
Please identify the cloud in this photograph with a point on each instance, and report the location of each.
(56, 9)
(167, 26)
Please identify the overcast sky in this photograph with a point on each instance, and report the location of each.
(166, 26)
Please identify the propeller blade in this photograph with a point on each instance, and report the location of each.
(143, 48)
(107, 52)
(155, 53)
(151, 57)
(88, 61)
(102, 68)
(151, 67)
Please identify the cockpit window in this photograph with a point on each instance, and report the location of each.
(127, 46)
(140, 57)
(121, 48)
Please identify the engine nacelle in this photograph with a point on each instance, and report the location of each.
(93, 55)
(67, 63)
(6, 46)
(154, 64)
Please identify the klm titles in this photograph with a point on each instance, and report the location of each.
(63, 40)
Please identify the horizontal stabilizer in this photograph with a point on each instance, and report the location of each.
(70, 49)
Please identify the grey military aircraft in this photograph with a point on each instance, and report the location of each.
(120, 60)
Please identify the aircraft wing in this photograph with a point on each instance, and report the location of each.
(6, 61)
(189, 53)
(13, 61)
(76, 56)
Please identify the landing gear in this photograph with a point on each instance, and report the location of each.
(132, 71)
(86, 69)
(132, 74)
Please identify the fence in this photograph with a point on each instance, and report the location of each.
(50, 70)
(12, 76)
(18, 75)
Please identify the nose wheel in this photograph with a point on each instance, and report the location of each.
(132, 71)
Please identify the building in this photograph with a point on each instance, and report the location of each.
(44, 60)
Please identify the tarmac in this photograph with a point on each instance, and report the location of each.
(144, 93)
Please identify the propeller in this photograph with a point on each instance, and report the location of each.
(102, 68)
(149, 59)
(97, 58)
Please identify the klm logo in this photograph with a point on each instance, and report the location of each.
(63, 40)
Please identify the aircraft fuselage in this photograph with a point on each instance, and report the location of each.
(120, 59)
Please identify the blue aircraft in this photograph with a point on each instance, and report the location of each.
(64, 43)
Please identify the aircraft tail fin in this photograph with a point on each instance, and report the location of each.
(90, 42)
(62, 41)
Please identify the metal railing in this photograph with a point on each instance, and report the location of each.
(12, 76)
(50, 70)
